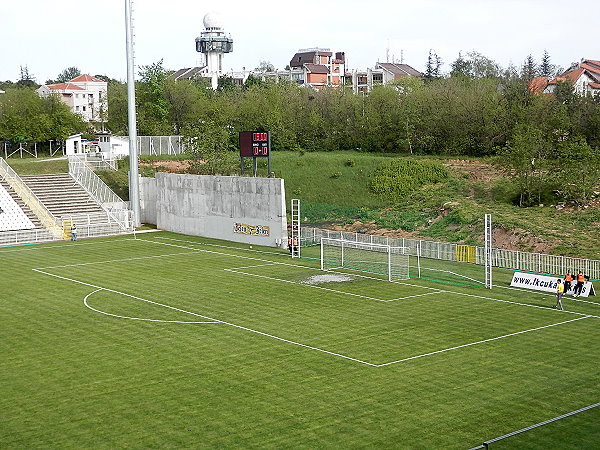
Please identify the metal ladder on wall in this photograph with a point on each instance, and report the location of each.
(295, 235)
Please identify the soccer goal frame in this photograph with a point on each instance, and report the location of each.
(394, 262)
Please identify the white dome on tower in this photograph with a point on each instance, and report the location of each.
(212, 20)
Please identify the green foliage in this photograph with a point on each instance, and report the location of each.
(66, 75)
(117, 181)
(474, 112)
(208, 147)
(399, 178)
(25, 117)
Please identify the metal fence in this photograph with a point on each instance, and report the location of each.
(87, 226)
(116, 208)
(160, 145)
(508, 259)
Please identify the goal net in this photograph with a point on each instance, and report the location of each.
(365, 257)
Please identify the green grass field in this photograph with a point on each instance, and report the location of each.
(178, 341)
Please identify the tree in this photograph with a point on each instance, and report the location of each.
(434, 63)
(579, 169)
(527, 158)
(529, 69)
(26, 79)
(207, 144)
(153, 107)
(68, 74)
(474, 65)
(25, 117)
(265, 66)
(546, 69)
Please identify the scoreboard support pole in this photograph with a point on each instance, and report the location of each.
(255, 144)
(269, 157)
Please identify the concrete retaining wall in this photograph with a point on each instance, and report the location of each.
(239, 209)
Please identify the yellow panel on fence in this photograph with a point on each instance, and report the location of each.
(465, 253)
(67, 227)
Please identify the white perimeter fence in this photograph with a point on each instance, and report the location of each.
(160, 145)
(508, 259)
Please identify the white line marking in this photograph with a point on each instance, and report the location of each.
(413, 296)
(123, 293)
(85, 302)
(256, 265)
(339, 355)
(373, 278)
(478, 342)
(57, 245)
(115, 260)
(307, 285)
(518, 303)
(304, 345)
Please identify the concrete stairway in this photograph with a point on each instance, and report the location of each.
(30, 215)
(64, 197)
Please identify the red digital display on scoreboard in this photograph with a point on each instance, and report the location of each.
(255, 144)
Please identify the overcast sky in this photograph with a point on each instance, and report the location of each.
(48, 36)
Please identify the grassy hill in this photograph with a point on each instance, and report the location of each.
(431, 198)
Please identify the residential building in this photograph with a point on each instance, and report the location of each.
(383, 73)
(584, 77)
(318, 68)
(84, 95)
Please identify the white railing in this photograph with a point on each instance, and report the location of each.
(508, 259)
(20, 237)
(96, 162)
(49, 222)
(99, 191)
(100, 224)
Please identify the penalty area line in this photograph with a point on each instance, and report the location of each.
(480, 342)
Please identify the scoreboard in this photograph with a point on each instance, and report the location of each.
(255, 144)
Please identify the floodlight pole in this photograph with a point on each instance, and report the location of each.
(134, 191)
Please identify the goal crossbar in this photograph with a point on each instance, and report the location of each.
(365, 257)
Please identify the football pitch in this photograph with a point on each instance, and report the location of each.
(168, 340)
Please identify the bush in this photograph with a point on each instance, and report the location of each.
(401, 177)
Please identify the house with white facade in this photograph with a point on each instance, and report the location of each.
(584, 77)
(84, 95)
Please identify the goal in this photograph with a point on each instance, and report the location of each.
(365, 257)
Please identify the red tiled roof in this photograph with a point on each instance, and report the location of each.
(85, 77)
(591, 68)
(316, 68)
(571, 75)
(591, 61)
(594, 85)
(63, 87)
(538, 84)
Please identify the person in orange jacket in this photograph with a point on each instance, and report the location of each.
(568, 281)
(580, 282)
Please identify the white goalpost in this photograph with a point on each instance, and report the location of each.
(365, 257)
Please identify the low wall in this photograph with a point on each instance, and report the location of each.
(239, 209)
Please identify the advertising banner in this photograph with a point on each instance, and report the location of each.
(546, 283)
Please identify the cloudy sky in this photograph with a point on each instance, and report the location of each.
(48, 36)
